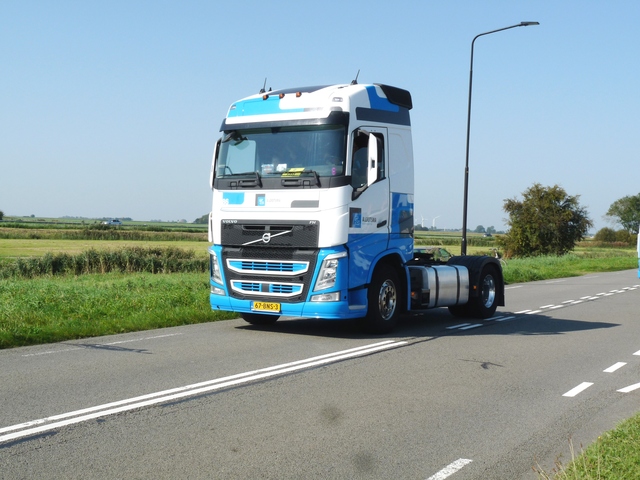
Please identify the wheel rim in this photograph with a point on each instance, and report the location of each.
(488, 291)
(387, 300)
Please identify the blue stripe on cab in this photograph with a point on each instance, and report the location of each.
(258, 106)
(380, 103)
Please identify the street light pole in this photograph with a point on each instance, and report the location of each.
(466, 167)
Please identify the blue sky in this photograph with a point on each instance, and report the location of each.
(112, 108)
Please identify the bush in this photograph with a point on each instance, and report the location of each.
(127, 260)
(610, 237)
(624, 236)
(605, 235)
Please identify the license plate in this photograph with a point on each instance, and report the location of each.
(266, 307)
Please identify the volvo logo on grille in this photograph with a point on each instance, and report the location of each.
(266, 237)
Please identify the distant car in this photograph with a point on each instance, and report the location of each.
(113, 221)
(438, 253)
(487, 235)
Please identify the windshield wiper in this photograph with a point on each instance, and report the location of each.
(315, 175)
(293, 179)
(254, 182)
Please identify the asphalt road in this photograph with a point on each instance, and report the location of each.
(440, 398)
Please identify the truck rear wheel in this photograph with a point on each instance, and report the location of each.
(459, 310)
(383, 308)
(258, 319)
(485, 304)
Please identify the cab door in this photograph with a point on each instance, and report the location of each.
(369, 211)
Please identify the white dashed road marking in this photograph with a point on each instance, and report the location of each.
(630, 388)
(614, 367)
(576, 390)
(450, 469)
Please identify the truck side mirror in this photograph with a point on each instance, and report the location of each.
(372, 167)
(212, 173)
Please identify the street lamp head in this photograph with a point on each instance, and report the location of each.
(527, 24)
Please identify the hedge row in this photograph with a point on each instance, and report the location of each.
(126, 260)
(100, 232)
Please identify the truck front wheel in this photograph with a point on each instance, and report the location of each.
(382, 297)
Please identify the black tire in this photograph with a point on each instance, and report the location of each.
(383, 299)
(259, 319)
(459, 310)
(485, 304)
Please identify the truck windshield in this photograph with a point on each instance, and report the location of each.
(283, 152)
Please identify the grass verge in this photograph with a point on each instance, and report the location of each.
(572, 265)
(614, 456)
(53, 309)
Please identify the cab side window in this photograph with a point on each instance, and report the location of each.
(361, 156)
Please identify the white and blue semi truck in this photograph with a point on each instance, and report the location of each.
(313, 213)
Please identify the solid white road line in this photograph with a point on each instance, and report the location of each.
(614, 367)
(187, 391)
(450, 469)
(575, 391)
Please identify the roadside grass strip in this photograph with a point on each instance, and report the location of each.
(56, 421)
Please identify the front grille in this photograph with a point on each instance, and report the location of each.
(286, 275)
(262, 288)
(268, 267)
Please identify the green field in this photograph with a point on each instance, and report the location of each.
(15, 248)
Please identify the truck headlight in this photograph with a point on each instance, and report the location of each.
(214, 267)
(329, 272)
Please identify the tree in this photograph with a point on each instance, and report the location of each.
(546, 222)
(1, 215)
(203, 219)
(479, 229)
(626, 212)
(491, 229)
